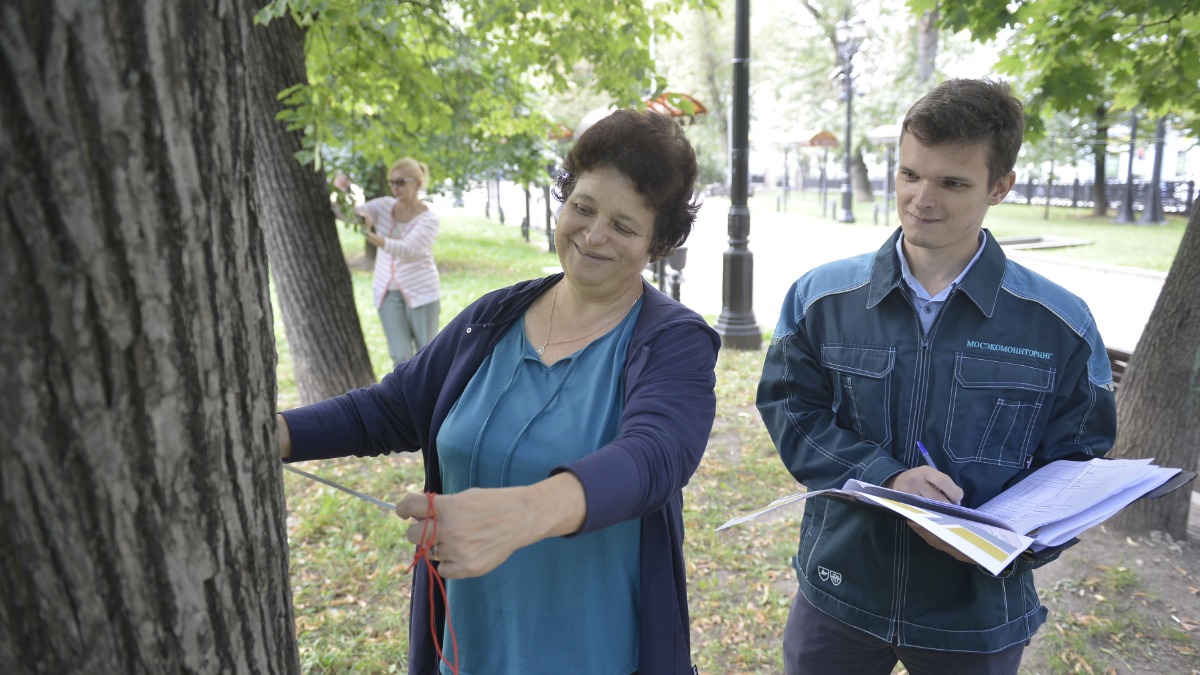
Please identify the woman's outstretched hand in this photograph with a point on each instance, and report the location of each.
(478, 529)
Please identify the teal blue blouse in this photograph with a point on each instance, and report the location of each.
(562, 605)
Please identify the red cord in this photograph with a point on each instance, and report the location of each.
(423, 551)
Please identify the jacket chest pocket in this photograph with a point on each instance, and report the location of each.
(862, 388)
(994, 410)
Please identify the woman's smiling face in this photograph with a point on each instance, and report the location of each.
(604, 231)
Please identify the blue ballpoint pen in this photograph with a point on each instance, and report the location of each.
(925, 454)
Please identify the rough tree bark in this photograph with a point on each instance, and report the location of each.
(1158, 404)
(312, 282)
(140, 493)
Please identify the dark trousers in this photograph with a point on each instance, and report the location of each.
(815, 643)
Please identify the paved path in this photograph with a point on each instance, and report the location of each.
(787, 245)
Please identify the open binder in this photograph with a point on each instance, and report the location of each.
(1038, 517)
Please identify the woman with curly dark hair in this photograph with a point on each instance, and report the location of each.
(559, 420)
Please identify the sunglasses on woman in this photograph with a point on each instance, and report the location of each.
(400, 182)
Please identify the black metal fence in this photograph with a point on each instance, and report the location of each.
(1177, 196)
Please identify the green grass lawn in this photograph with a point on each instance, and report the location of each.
(349, 560)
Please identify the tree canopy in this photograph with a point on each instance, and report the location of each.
(459, 84)
(1078, 55)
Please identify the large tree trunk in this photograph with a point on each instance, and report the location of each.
(927, 45)
(1159, 401)
(863, 192)
(1099, 156)
(140, 492)
(312, 282)
(1152, 211)
(714, 63)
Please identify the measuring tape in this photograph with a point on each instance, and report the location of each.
(366, 498)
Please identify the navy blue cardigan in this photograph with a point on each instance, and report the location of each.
(669, 408)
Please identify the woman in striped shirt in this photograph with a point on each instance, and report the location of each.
(406, 289)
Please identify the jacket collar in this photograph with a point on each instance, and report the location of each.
(518, 297)
(659, 311)
(982, 283)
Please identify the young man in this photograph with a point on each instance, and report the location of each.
(936, 338)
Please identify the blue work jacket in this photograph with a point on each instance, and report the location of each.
(669, 408)
(1011, 376)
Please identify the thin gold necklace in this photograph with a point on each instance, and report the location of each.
(550, 324)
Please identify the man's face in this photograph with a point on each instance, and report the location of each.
(943, 194)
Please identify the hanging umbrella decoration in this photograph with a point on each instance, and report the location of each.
(682, 107)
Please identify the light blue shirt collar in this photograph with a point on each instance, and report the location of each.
(928, 307)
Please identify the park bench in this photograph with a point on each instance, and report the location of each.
(1118, 360)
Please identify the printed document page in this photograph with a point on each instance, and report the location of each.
(1064, 488)
(1062, 531)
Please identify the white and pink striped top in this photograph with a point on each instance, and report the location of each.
(405, 263)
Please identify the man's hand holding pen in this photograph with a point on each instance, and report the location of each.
(927, 481)
(930, 483)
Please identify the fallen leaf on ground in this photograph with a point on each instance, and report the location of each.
(1187, 624)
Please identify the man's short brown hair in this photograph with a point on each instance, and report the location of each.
(965, 112)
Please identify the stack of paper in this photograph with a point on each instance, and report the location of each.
(1048, 508)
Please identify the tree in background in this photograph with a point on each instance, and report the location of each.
(362, 83)
(312, 282)
(826, 16)
(1063, 142)
(927, 45)
(698, 61)
(1158, 404)
(1078, 55)
(144, 522)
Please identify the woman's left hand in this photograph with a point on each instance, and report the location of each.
(478, 529)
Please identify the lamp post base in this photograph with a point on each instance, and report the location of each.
(847, 209)
(738, 331)
(736, 325)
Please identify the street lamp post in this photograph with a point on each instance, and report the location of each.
(736, 325)
(849, 36)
